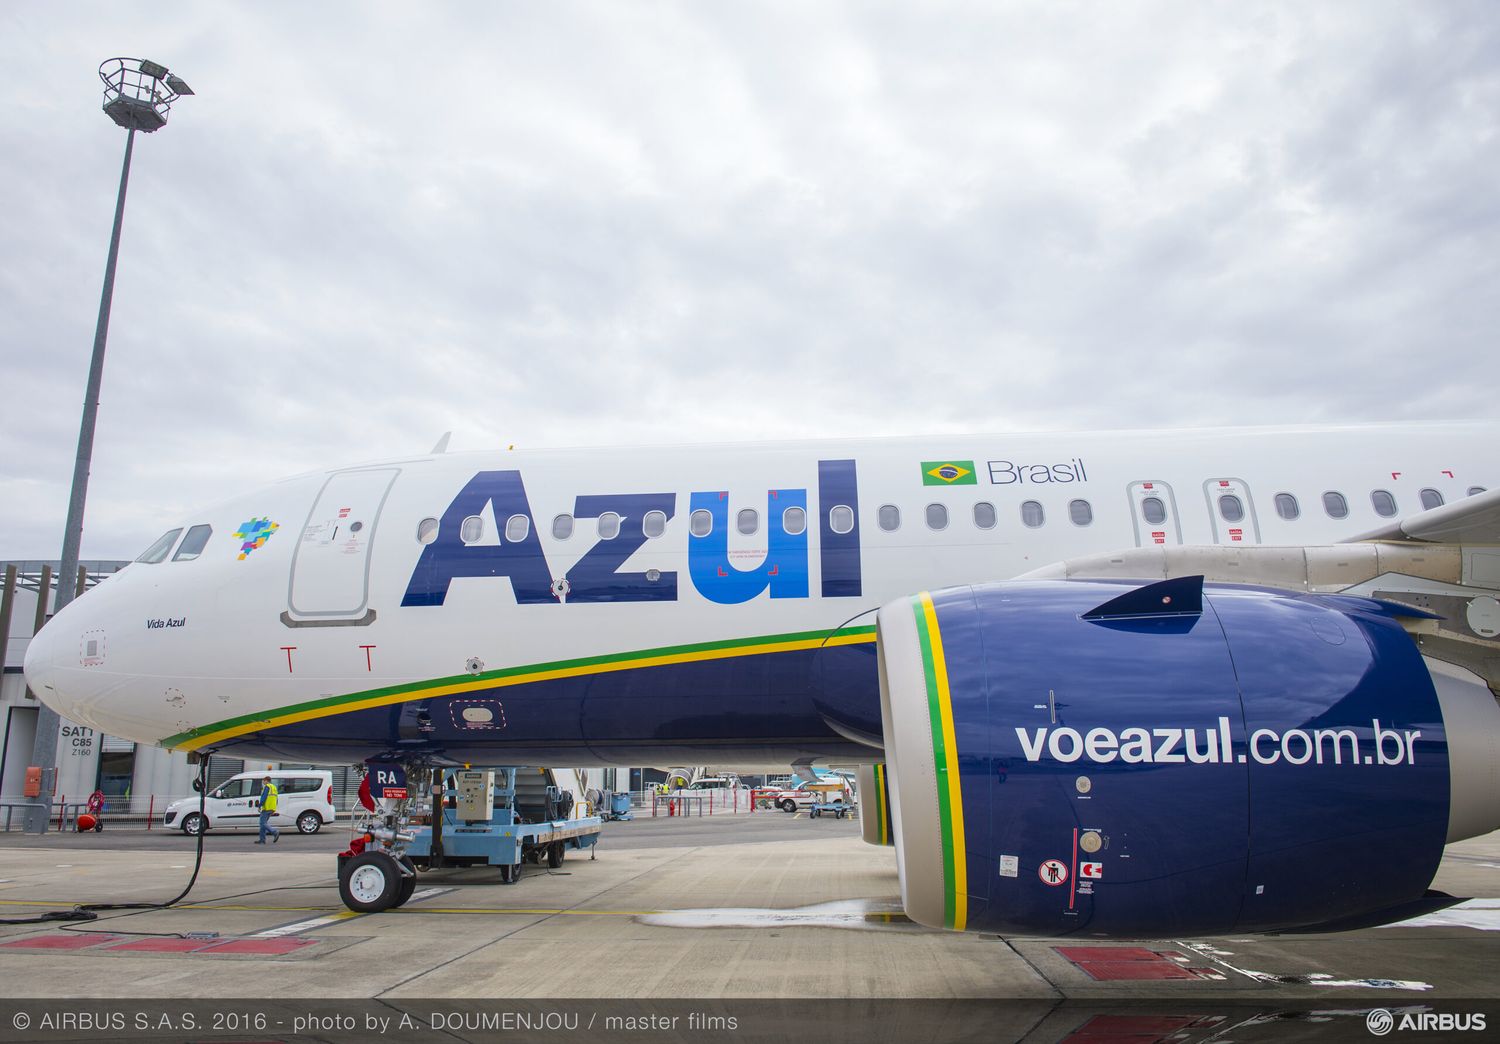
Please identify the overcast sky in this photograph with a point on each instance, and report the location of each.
(580, 224)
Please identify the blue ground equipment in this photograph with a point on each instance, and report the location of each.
(619, 808)
(501, 817)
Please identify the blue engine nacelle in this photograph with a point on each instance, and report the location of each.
(1110, 759)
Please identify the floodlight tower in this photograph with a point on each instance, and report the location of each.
(138, 94)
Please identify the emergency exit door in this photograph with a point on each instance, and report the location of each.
(1153, 512)
(330, 582)
(1232, 511)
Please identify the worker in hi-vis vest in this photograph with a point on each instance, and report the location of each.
(267, 810)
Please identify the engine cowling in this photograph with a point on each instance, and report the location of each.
(875, 825)
(1111, 759)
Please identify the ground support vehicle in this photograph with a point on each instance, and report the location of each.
(482, 819)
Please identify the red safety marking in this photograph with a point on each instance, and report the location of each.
(775, 571)
(1119, 963)
(1447, 472)
(163, 945)
(59, 942)
(367, 649)
(1147, 485)
(261, 947)
(1109, 954)
(1224, 483)
(288, 650)
(1395, 475)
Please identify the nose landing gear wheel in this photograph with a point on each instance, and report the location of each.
(408, 885)
(369, 882)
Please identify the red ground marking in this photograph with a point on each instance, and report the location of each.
(58, 942)
(1116, 963)
(163, 945)
(262, 947)
(1108, 954)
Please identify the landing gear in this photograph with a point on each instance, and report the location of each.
(376, 873)
(369, 882)
(408, 883)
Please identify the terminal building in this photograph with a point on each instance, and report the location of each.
(138, 779)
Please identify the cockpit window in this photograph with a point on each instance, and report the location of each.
(157, 552)
(192, 544)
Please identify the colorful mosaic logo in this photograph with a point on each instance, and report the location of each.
(254, 533)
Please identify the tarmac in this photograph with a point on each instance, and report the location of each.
(764, 906)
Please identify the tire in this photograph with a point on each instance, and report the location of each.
(193, 824)
(309, 822)
(813, 814)
(368, 883)
(510, 874)
(555, 854)
(98, 826)
(408, 885)
(788, 805)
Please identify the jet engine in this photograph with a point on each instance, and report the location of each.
(1111, 759)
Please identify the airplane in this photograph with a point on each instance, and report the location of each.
(1108, 684)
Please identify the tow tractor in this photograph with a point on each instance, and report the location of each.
(501, 817)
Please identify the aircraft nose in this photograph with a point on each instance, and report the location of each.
(40, 668)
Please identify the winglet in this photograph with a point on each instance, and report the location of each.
(1180, 596)
(442, 443)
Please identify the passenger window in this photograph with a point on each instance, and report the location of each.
(1384, 503)
(427, 530)
(1286, 506)
(609, 525)
(1231, 508)
(793, 521)
(1431, 498)
(1032, 515)
(984, 515)
(701, 522)
(472, 530)
(1153, 510)
(517, 527)
(654, 523)
(841, 519)
(562, 526)
(747, 521)
(192, 544)
(1081, 512)
(1475, 490)
(1335, 505)
(157, 552)
(937, 516)
(890, 517)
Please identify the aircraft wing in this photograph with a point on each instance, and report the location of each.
(1473, 520)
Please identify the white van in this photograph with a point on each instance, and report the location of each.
(305, 798)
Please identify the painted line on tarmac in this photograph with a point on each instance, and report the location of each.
(535, 911)
(298, 927)
(427, 893)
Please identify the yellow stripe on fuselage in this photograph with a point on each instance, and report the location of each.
(274, 720)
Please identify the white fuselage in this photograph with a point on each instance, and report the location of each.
(221, 647)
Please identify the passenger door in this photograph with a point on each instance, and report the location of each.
(1153, 512)
(234, 803)
(330, 582)
(1231, 511)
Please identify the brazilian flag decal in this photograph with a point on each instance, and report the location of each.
(948, 473)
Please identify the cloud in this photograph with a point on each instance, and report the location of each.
(594, 224)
